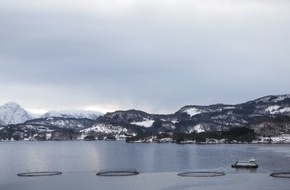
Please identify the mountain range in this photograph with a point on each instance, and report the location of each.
(13, 113)
(267, 116)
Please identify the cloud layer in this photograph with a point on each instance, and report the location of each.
(151, 55)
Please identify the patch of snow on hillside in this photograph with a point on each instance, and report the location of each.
(280, 98)
(265, 99)
(272, 109)
(146, 123)
(104, 129)
(229, 108)
(277, 109)
(197, 128)
(192, 111)
(174, 121)
(284, 110)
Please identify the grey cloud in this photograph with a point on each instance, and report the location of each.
(154, 58)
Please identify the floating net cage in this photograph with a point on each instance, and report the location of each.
(280, 174)
(201, 174)
(117, 172)
(39, 174)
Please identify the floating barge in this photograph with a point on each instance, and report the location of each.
(246, 164)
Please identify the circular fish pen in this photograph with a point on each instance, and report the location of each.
(117, 172)
(280, 174)
(201, 174)
(39, 174)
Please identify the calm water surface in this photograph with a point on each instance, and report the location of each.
(80, 158)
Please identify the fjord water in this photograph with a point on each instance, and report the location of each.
(79, 160)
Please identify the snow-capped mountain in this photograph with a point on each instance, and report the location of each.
(78, 114)
(12, 113)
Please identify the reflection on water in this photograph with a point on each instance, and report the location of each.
(91, 156)
(276, 148)
(78, 159)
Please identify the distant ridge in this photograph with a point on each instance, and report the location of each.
(13, 113)
(78, 114)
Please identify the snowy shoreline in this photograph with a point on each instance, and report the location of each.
(283, 139)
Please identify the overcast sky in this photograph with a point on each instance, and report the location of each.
(153, 55)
